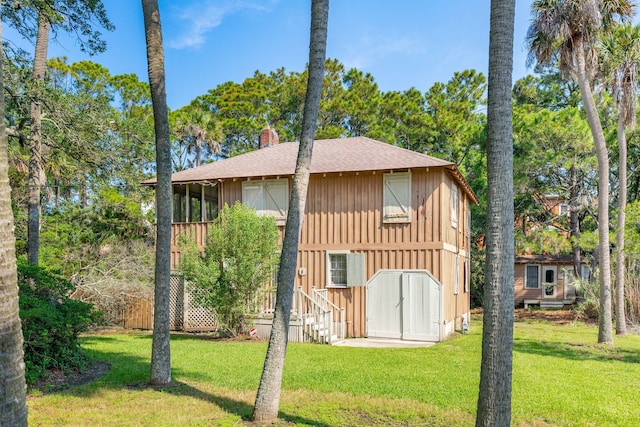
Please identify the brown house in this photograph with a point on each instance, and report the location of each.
(384, 249)
(545, 280)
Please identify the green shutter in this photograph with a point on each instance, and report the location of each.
(356, 275)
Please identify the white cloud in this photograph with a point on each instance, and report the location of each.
(202, 16)
(372, 50)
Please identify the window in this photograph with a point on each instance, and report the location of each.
(456, 278)
(338, 266)
(345, 269)
(585, 272)
(454, 205)
(397, 197)
(532, 279)
(550, 276)
(563, 209)
(268, 197)
(188, 203)
(467, 276)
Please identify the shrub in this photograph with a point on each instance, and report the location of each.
(51, 321)
(238, 260)
(589, 304)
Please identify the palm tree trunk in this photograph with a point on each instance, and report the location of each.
(574, 220)
(605, 329)
(160, 351)
(494, 397)
(621, 318)
(35, 142)
(13, 388)
(268, 397)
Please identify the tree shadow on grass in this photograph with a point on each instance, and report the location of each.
(575, 351)
(131, 372)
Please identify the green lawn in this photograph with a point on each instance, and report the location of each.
(560, 378)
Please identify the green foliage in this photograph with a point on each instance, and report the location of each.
(542, 241)
(51, 321)
(589, 304)
(478, 258)
(73, 237)
(238, 260)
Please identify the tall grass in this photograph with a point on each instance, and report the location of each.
(561, 377)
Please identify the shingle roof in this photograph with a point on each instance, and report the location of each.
(544, 259)
(329, 156)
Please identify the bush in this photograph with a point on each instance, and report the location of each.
(589, 303)
(51, 322)
(238, 260)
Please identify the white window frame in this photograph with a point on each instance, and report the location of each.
(260, 206)
(391, 201)
(563, 209)
(330, 283)
(453, 212)
(526, 282)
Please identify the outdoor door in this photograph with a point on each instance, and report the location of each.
(404, 305)
(549, 281)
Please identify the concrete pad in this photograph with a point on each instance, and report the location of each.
(382, 343)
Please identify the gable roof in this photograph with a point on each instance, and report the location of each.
(357, 154)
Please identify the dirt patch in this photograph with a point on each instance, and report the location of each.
(57, 379)
(562, 316)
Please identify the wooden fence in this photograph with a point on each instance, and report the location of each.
(185, 314)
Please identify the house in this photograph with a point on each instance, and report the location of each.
(546, 280)
(384, 247)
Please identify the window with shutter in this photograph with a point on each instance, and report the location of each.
(276, 199)
(454, 205)
(268, 197)
(345, 269)
(252, 195)
(397, 197)
(456, 276)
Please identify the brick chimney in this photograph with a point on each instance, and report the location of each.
(268, 138)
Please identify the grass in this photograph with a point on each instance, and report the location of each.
(560, 378)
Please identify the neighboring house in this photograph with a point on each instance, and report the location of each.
(384, 245)
(546, 280)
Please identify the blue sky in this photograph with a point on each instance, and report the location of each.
(402, 43)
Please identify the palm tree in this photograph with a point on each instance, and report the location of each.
(13, 391)
(160, 350)
(620, 58)
(36, 172)
(199, 130)
(268, 397)
(568, 30)
(494, 398)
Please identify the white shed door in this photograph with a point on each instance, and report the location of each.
(384, 305)
(404, 304)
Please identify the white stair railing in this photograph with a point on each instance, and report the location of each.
(317, 323)
(339, 328)
(322, 321)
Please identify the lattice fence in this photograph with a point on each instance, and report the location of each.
(186, 314)
(176, 303)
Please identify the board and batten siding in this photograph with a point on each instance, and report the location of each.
(344, 212)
